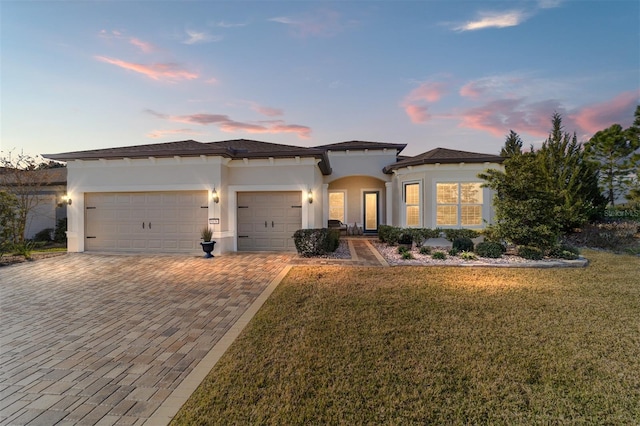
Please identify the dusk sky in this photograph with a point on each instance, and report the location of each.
(80, 75)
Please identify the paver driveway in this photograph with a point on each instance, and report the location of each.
(105, 339)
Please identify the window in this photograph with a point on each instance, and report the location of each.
(458, 204)
(412, 204)
(336, 206)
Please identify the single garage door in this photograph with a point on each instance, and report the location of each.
(267, 220)
(145, 221)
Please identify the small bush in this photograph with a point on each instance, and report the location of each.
(44, 235)
(407, 255)
(468, 255)
(463, 244)
(389, 234)
(60, 234)
(316, 242)
(406, 237)
(453, 252)
(402, 249)
(453, 234)
(490, 249)
(530, 252)
(565, 251)
(425, 250)
(439, 255)
(25, 248)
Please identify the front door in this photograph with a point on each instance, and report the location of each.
(371, 216)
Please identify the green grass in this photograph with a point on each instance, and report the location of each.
(435, 345)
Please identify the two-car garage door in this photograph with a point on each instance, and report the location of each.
(171, 221)
(145, 221)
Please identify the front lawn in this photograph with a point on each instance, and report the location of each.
(414, 345)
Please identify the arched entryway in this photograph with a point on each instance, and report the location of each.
(357, 200)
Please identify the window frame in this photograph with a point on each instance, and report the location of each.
(459, 204)
(344, 204)
(417, 205)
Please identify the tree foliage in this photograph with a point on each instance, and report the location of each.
(512, 146)
(541, 194)
(20, 176)
(634, 134)
(615, 151)
(8, 208)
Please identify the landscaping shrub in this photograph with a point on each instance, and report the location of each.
(44, 235)
(453, 234)
(406, 237)
(421, 235)
(316, 242)
(60, 234)
(463, 244)
(389, 234)
(490, 249)
(407, 255)
(439, 255)
(453, 252)
(565, 251)
(530, 252)
(402, 249)
(468, 255)
(425, 250)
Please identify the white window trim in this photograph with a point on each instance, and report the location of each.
(434, 210)
(404, 202)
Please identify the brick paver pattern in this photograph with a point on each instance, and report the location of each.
(104, 339)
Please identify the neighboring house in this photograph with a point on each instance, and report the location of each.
(47, 187)
(255, 195)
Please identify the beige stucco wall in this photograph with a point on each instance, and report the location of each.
(228, 177)
(360, 163)
(354, 188)
(428, 176)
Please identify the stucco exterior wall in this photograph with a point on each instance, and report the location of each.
(360, 163)
(428, 176)
(354, 188)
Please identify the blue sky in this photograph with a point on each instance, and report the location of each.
(458, 74)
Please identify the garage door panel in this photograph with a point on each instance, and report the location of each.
(274, 208)
(116, 221)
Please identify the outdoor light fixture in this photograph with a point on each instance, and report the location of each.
(214, 196)
(65, 200)
(310, 196)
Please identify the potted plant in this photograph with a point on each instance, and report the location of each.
(207, 244)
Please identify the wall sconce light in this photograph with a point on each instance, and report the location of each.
(214, 196)
(65, 199)
(310, 196)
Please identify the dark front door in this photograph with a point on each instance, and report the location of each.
(371, 211)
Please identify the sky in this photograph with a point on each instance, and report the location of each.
(82, 75)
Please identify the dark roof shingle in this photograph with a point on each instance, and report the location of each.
(444, 156)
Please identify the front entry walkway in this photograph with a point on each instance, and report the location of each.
(106, 339)
(362, 254)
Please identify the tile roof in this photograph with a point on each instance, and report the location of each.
(444, 156)
(343, 146)
(235, 149)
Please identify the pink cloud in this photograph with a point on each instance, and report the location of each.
(267, 111)
(428, 91)
(414, 103)
(226, 124)
(156, 134)
(142, 45)
(599, 116)
(473, 89)
(302, 132)
(499, 116)
(159, 71)
(417, 113)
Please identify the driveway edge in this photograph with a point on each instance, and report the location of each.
(173, 403)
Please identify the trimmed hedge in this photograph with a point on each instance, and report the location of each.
(453, 234)
(530, 252)
(316, 242)
(463, 244)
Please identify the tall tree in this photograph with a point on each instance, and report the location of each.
(613, 150)
(512, 145)
(633, 133)
(571, 177)
(541, 194)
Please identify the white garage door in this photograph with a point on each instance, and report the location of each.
(145, 221)
(267, 220)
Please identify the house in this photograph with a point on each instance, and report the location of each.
(254, 195)
(41, 190)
